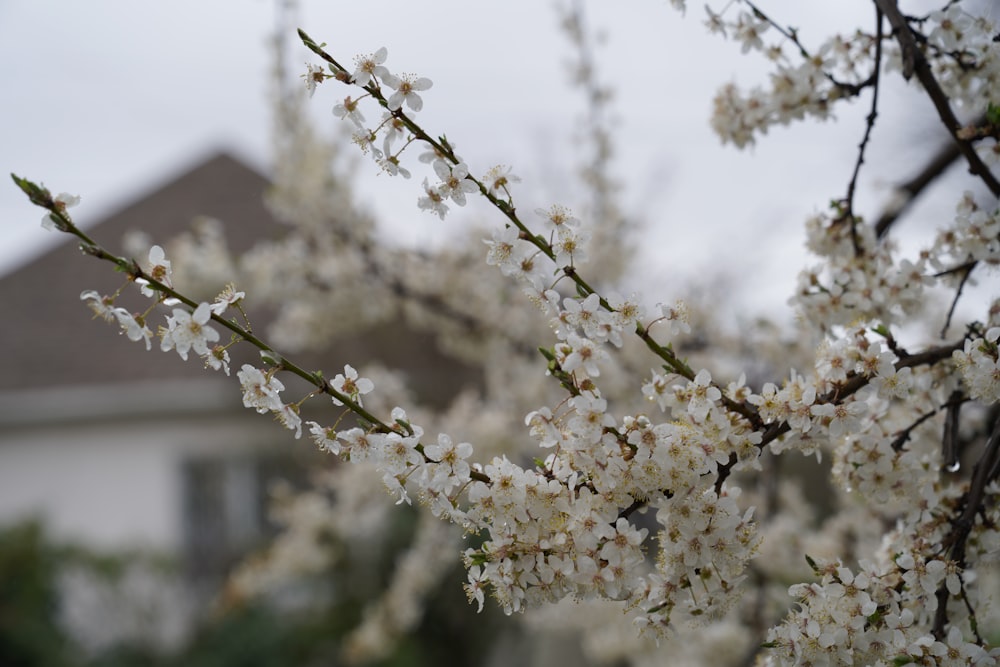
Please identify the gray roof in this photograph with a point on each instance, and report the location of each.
(51, 341)
(49, 337)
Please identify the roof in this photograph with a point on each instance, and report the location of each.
(52, 342)
(49, 337)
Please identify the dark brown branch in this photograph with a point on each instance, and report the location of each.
(914, 62)
(949, 439)
(971, 505)
(904, 435)
(913, 188)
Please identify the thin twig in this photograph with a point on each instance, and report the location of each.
(869, 124)
(958, 293)
(792, 35)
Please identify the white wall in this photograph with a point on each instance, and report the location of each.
(115, 482)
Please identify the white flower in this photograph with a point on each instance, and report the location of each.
(366, 142)
(62, 202)
(656, 390)
(568, 248)
(454, 181)
(449, 468)
(391, 166)
(349, 384)
(748, 31)
(581, 354)
(498, 180)
(314, 75)
(433, 200)
(406, 88)
(477, 582)
(558, 218)
(260, 391)
(392, 129)
(501, 247)
(585, 314)
(675, 317)
(189, 331)
(217, 358)
(590, 416)
(349, 110)
(703, 394)
(288, 415)
(159, 270)
(365, 67)
(844, 418)
(714, 22)
(228, 297)
(101, 305)
(132, 327)
(431, 153)
(325, 438)
(627, 312)
(890, 383)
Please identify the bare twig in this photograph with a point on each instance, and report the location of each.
(869, 124)
(958, 293)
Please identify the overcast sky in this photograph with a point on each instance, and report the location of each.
(107, 98)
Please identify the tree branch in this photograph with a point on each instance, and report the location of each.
(945, 156)
(914, 62)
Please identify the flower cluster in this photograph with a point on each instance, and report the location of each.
(874, 615)
(979, 365)
(797, 89)
(185, 330)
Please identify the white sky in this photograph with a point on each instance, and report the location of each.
(107, 98)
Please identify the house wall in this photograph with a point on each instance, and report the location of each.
(106, 466)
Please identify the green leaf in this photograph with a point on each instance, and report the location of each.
(270, 357)
(882, 330)
(406, 426)
(993, 114)
(812, 563)
(39, 195)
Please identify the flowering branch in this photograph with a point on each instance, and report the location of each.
(41, 197)
(443, 149)
(914, 62)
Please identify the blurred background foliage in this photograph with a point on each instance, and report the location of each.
(33, 630)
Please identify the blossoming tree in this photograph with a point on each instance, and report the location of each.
(587, 477)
